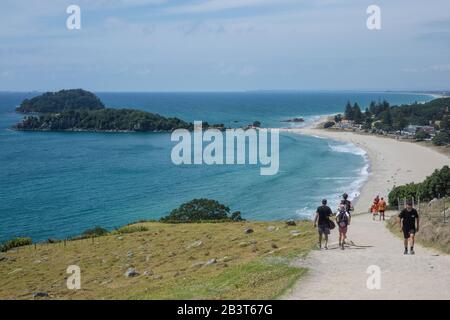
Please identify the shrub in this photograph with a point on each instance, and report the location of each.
(328, 124)
(441, 139)
(15, 243)
(94, 232)
(202, 210)
(131, 229)
(436, 185)
(421, 135)
(407, 191)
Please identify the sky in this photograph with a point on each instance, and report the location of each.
(224, 45)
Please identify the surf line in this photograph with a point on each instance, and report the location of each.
(217, 147)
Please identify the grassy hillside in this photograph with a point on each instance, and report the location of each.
(433, 231)
(174, 261)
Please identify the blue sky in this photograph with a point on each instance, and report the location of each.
(224, 45)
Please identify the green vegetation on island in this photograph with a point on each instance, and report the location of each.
(60, 101)
(80, 110)
(102, 120)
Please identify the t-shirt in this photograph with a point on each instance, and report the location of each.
(324, 212)
(409, 218)
(382, 205)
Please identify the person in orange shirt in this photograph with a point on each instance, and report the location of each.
(382, 207)
(374, 209)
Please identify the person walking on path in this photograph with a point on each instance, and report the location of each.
(374, 209)
(382, 208)
(348, 206)
(322, 222)
(409, 223)
(342, 220)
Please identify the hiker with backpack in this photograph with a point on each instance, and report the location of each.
(323, 223)
(342, 220)
(348, 206)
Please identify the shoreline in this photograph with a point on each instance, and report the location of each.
(391, 162)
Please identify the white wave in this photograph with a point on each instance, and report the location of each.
(348, 148)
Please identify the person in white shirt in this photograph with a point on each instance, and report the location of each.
(342, 220)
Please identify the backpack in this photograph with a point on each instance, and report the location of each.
(348, 205)
(342, 219)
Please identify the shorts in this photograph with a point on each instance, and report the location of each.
(343, 230)
(408, 232)
(323, 229)
(381, 211)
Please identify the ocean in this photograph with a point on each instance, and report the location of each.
(56, 185)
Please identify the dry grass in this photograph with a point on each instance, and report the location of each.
(433, 233)
(249, 266)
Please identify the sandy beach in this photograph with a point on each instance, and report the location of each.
(335, 273)
(392, 162)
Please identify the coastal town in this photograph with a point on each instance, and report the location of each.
(431, 124)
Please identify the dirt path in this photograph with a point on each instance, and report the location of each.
(341, 274)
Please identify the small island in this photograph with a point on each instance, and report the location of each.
(80, 110)
(52, 102)
(295, 120)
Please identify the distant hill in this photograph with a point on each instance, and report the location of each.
(63, 100)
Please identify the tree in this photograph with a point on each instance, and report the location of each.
(202, 210)
(400, 122)
(421, 135)
(386, 119)
(445, 124)
(328, 124)
(257, 124)
(348, 111)
(357, 114)
(441, 139)
(338, 118)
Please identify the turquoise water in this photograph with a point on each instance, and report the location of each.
(55, 185)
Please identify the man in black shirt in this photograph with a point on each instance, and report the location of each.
(322, 222)
(409, 223)
(348, 206)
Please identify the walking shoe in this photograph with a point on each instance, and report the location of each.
(406, 251)
(411, 251)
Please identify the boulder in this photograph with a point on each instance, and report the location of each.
(291, 223)
(295, 233)
(210, 262)
(40, 295)
(248, 230)
(131, 272)
(271, 228)
(194, 244)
